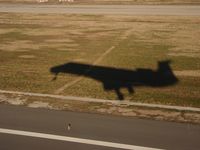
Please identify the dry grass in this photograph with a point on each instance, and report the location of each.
(188, 73)
(31, 44)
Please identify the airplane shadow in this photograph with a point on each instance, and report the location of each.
(117, 78)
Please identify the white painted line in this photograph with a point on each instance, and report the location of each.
(61, 89)
(73, 139)
(98, 60)
(103, 55)
(94, 100)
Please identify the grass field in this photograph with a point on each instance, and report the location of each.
(31, 45)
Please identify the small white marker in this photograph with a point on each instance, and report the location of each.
(69, 127)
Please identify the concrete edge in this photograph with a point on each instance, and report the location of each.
(94, 100)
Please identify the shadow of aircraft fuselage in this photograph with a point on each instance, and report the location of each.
(116, 78)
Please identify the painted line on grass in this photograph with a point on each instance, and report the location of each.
(94, 100)
(61, 89)
(103, 55)
(73, 139)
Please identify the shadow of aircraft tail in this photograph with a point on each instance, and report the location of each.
(116, 78)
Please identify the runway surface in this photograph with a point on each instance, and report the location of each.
(28, 126)
(180, 10)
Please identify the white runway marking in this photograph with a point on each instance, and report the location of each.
(72, 139)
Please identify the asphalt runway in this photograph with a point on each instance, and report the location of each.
(171, 10)
(118, 130)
